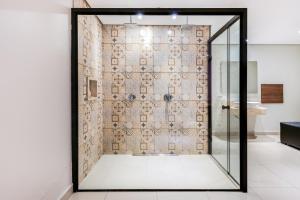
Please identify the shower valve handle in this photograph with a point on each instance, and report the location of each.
(225, 107)
(168, 97)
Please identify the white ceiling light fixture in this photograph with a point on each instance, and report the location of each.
(299, 31)
(140, 16)
(174, 16)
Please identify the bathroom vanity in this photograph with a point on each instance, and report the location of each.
(253, 110)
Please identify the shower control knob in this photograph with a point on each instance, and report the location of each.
(225, 107)
(168, 97)
(131, 97)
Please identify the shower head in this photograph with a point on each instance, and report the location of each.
(186, 26)
(129, 24)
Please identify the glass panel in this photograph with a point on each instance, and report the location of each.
(225, 91)
(218, 99)
(234, 87)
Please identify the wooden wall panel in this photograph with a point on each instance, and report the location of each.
(271, 93)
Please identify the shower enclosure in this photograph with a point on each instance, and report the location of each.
(159, 99)
(225, 97)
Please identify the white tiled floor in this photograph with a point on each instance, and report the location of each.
(274, 174)
(157, 172)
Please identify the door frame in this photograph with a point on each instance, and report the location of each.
(240, 12)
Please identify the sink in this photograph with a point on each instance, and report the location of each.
(249, 103)
(252, 103)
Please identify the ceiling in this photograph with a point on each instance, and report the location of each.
(269, 21)
(216, 22)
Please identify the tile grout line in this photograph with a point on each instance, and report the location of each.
(252, 189)
(279, 177)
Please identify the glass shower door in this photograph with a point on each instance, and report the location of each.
(219, 53)
(224, 99)
(234, 88)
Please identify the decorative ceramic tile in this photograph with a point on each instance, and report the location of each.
(114, 86)
(148, 62)
(145, 35)
(113, 34)
(132, 34)
(195, 34)
(160, 34)
(174, 34)
(114, 57)
(90, 94)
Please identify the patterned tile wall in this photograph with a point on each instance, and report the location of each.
(149, 62)
(90, 93)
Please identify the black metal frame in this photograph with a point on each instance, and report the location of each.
(243, 96)
(215, 36)
(241, 12)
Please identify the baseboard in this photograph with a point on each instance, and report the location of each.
(67, 193)
(267, 133)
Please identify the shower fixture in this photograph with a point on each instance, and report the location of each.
(168, 98)
(130, 22)
(131, 97)
(186, 25)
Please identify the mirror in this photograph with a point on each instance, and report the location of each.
(252, 81)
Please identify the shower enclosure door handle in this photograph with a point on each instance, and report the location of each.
(225, 107)
(209, 58)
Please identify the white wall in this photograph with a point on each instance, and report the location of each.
(278, 20)
(278, 64)
(35, 117)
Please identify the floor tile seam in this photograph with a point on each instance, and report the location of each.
(278, 176)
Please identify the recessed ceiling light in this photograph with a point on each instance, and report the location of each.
(299, 31)
(174, 16)
(140, 16)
